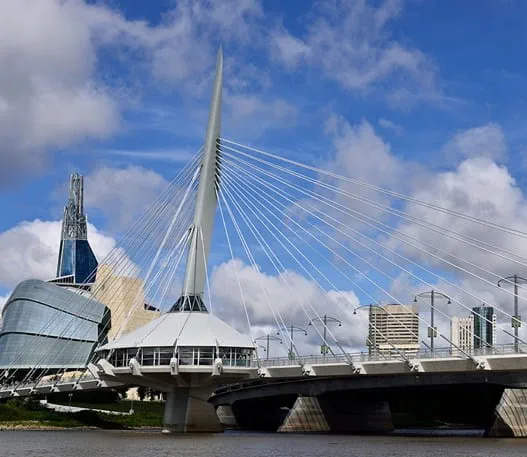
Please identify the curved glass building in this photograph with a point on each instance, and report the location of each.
(50, 327)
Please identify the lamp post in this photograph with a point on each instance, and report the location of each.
(432, 294)
(516, 319)
(268, 338)
(324, 349)
(292, 329)
(370, 306)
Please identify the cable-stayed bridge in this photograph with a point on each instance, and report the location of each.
(313, 235)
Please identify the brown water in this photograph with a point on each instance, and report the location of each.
(95, 443)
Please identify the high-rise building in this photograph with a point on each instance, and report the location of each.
(77, 263)
(393, 328)
(462, 333)
(484, 326)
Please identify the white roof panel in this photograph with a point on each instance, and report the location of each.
(187, 328)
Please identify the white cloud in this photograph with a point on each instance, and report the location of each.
(361, 153)
(288, 293)
(484, 141)
(2, 303)
(289, 49)
(390, 125)
(182, 45)
(49, 95)
(478, 188)
(30, 250)
(350, 42)
(122, 194)
(52, 94)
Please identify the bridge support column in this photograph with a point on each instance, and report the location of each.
(227, 417)
(188, 411)
(510, 416)
(305, 416)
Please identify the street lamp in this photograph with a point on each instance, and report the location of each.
(375, 345)
(516, 319)
(324, 349)
(432, 294)
(292, 329)
(268, 338)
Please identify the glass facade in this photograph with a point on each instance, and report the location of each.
(186, 356)
(47, 326)
(484, 327)
(77, 259)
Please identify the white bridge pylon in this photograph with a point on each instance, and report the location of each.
(198, 349)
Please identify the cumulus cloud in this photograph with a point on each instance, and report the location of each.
(52, 93)
(286, 295)
(30, 250)
(353, 144)
(485, 141)
(360, 153)
(49, 95)
(479, 188)
(122, 194)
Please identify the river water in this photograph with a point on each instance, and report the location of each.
(99, 443)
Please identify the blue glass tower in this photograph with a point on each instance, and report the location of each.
(484, 326)
(77, 263)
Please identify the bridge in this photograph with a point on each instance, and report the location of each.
(290, 224)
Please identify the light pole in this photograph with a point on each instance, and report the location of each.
(268, 338)
(324, 349)
(432, 294)
(516, 319)
(292, 329)
(370, 306)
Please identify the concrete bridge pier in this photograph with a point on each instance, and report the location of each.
(306, 415)
(335, 414)
(187, 410)
(510, 416)
(227, 417)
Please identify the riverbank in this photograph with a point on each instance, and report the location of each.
(31, 415)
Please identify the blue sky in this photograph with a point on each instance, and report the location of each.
(119, 91)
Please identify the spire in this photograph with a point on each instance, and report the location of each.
(201, 230)
(74, 222)
(76, 258)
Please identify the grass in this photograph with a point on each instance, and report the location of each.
(147, 414)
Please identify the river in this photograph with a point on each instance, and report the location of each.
(101, 443)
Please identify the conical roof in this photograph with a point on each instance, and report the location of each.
(184, 328)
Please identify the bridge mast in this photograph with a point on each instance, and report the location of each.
(201, 229)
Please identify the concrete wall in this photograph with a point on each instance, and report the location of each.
(124, 296)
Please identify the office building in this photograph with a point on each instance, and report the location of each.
(462, 333)
(484, 327)
(393, 328)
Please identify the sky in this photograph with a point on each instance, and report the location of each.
(423, 97)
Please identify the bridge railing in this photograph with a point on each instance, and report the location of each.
(358, 357)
